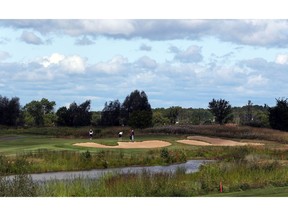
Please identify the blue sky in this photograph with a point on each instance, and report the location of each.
(177, 62)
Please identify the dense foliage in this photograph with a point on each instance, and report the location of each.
(75, 115)
(136, 111)
(110, 115)
(9, 111)
(279, 115)
(221, 109)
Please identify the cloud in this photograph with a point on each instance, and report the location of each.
(146, 62)
(55, 58)
(271, 33)
(31, 38)
(115, 65)
(282, 59)
(145, 47)
(71, 64)
(257, 80)
(174, 49)
(4, 40)
(191, 54)
(4, 55)
(84, 41)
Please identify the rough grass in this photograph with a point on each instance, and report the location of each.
(235, 132)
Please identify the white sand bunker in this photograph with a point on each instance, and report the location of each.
(208, 141)
(124, 145)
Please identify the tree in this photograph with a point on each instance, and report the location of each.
(40, 113)
(278, 115)
(159, 119)
(172, 114)
(110, 115)
(9, 111)
(62, 116)
(75, 115)
(136, 110)
(221, 109)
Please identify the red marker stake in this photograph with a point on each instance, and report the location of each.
(221, 187)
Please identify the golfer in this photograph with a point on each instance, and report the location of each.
(132, 135)
(120, 134)
(91, 134)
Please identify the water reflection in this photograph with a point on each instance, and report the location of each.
(190, 166)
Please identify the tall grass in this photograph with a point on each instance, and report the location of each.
(44, 160)
(235, 176)
(237, 132)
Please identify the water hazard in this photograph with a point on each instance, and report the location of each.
(190, 166)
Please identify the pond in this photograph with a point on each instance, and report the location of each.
(190, 166)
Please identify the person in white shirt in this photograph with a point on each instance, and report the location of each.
(91, 134)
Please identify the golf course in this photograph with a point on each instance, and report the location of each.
(246, 161)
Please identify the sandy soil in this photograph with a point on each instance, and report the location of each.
(126, 145)
(208, 141)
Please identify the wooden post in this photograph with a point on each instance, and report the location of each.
(221, 187)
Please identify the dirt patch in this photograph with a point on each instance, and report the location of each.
(128, 145)
(208, 141)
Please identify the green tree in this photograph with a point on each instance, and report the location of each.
(75, 115)
(110, 115)
(278, 115)
(96, 118)
(62, 116)
(9, 111)
(40, 113)
(173, 113)
(159, 119)
(136, 110)
(34, 113)
(221, 109)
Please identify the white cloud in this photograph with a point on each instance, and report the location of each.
(70, 64)
(115, 65)
(249, 32)
(55, 58)
(281, 59)
(257, 80)
(73, 64)
(31, 38)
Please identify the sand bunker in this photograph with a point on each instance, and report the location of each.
(208, 141)
(126, 145)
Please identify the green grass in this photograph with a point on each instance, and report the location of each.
(244, 171)
(18, 143)
(261, 192)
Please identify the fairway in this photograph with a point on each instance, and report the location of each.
(14, 144)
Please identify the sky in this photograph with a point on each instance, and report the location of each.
(176, 62)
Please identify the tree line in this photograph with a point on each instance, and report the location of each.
(136, 111)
